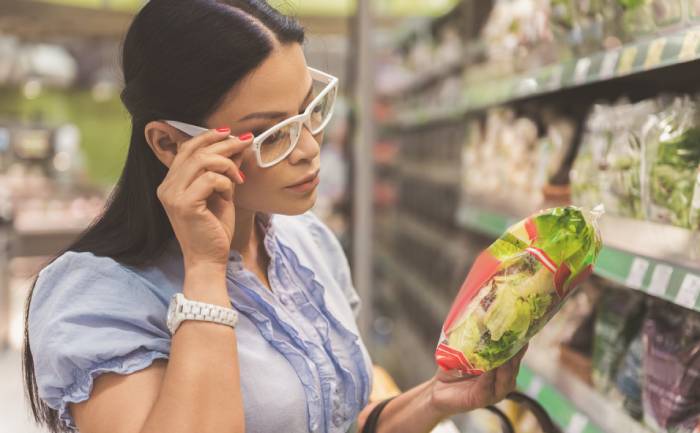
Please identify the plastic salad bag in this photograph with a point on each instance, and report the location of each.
(515, 286)
(620, 168)
(585, 189)
(672, 157)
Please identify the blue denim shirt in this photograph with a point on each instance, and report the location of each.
(303, 365)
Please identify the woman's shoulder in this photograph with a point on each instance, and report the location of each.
(71, 262)
(72, 270)
(82, 280)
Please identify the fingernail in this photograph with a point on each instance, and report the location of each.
(242, 174)
(223, 129)
(246, 136)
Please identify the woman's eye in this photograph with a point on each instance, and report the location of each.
(276, 136)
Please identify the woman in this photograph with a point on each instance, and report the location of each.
(214, 216)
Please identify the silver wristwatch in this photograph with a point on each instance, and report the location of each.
(182, 309)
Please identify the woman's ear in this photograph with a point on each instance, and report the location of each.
(164, 140)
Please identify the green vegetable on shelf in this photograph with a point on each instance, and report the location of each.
(673, 158)
(516, 286)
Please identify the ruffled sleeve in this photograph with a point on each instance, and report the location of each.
(90, 315)
(337, 260)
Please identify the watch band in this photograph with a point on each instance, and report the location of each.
(187, 309)
(195, 310)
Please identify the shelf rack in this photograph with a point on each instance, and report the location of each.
(673, 48)
(573, 404)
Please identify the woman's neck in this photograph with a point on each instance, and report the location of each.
(247, 240)
(244, 234)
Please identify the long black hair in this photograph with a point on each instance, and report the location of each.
(179, 59)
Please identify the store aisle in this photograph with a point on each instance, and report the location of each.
(14, 412)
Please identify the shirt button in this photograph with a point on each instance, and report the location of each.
(314, 426)
(337, 419)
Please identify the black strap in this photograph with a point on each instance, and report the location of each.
(506, 425)
(536, 408)
(373, 418)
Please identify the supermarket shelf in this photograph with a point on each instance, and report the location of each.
(671, 49)
(573, 404)
(429, 234)
(413, 282)
(435, 173)
(662, 261)
(426, 78)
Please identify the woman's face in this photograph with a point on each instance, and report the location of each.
(276, 90)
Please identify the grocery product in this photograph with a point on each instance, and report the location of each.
(619, 316)
(619, 168)
(585, 189)
(630, 377)
(672, 158)
(671, 390)
(515, 286)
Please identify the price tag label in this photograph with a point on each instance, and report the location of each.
(581, 70)
(656, 48)
(607, 67)
(637, 272)
(689, 291)
(577, 423)
(660, 279)
(690, 45)
(627, 60)
(535, 387)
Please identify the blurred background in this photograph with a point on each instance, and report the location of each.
(456, 119)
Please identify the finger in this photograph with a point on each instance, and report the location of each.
(207, 184)
(505, 379)
(232, 148)
(188, 147)
(201, 162)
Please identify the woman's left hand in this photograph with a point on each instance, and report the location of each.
(451, 395)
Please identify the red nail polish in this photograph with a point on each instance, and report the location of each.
(223, 129)
(246, 136)
(242, 174)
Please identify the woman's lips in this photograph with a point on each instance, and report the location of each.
(306, 186)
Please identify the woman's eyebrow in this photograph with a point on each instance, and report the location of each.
(274, 114)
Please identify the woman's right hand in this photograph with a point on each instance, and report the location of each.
(197, 195)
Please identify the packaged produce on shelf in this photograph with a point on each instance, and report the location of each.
(619, 174)
(630, 378)
(619, 317)
(509, 160)
(672, 158)
(516, 286)
(596, 26)
(642, 161)
(585, 190)
(520, 34)
(671, 390)
(555, 146)
(642, 17)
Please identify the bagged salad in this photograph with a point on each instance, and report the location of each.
(515, 286)
(670, 165)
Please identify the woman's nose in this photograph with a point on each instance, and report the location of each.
(307, 147)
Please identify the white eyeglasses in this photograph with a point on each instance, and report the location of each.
(273, 145)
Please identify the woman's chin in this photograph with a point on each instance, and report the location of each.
(299, 204)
